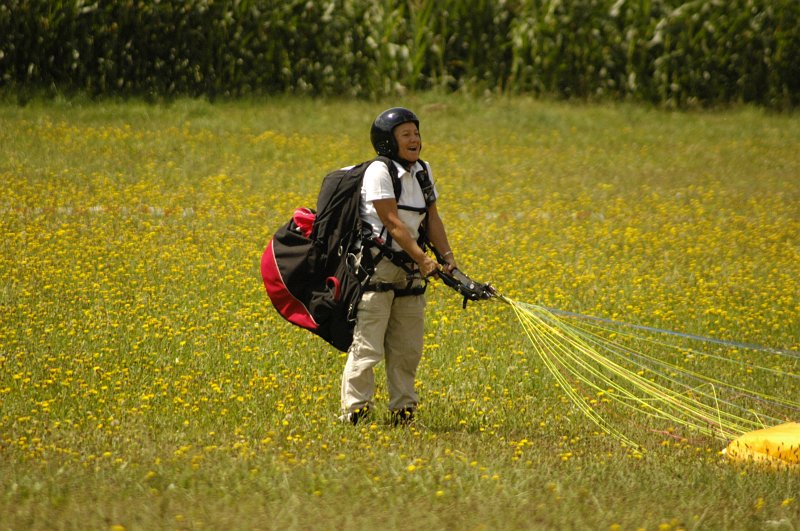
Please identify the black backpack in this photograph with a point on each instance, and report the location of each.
(315, 269)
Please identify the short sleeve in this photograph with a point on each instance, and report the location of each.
(377, 182)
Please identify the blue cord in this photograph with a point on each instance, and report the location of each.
(790, 353)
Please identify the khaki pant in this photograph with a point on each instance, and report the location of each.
(390, 328)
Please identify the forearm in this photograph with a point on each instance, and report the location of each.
(438, 238)
(438, 235)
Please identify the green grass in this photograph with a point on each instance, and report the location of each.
(145, 381)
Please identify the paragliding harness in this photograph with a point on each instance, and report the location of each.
(318, 265)
(377, 248)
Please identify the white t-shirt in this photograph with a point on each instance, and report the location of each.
(377, 184)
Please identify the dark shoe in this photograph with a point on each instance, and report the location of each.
(403, 417)
(354, 417)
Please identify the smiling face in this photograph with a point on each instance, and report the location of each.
(409, 142)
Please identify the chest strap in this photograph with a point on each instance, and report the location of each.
(423, 179)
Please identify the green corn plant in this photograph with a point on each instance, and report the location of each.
(668, 52)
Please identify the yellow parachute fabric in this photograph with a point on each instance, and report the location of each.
(777, 446)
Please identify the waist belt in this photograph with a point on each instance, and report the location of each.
(398, 292)
(399, 258)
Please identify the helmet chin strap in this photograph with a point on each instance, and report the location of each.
(407, 164)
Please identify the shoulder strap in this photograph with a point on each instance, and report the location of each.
(424, 180)
(426, 185)
(396, 185)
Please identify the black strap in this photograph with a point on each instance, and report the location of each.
(407, 291)
(425, 183)
(420, 210)
(399, 258)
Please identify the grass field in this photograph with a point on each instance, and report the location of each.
(146, 383)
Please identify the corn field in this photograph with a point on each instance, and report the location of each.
(673, 53)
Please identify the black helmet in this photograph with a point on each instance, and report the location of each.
(382, 135)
